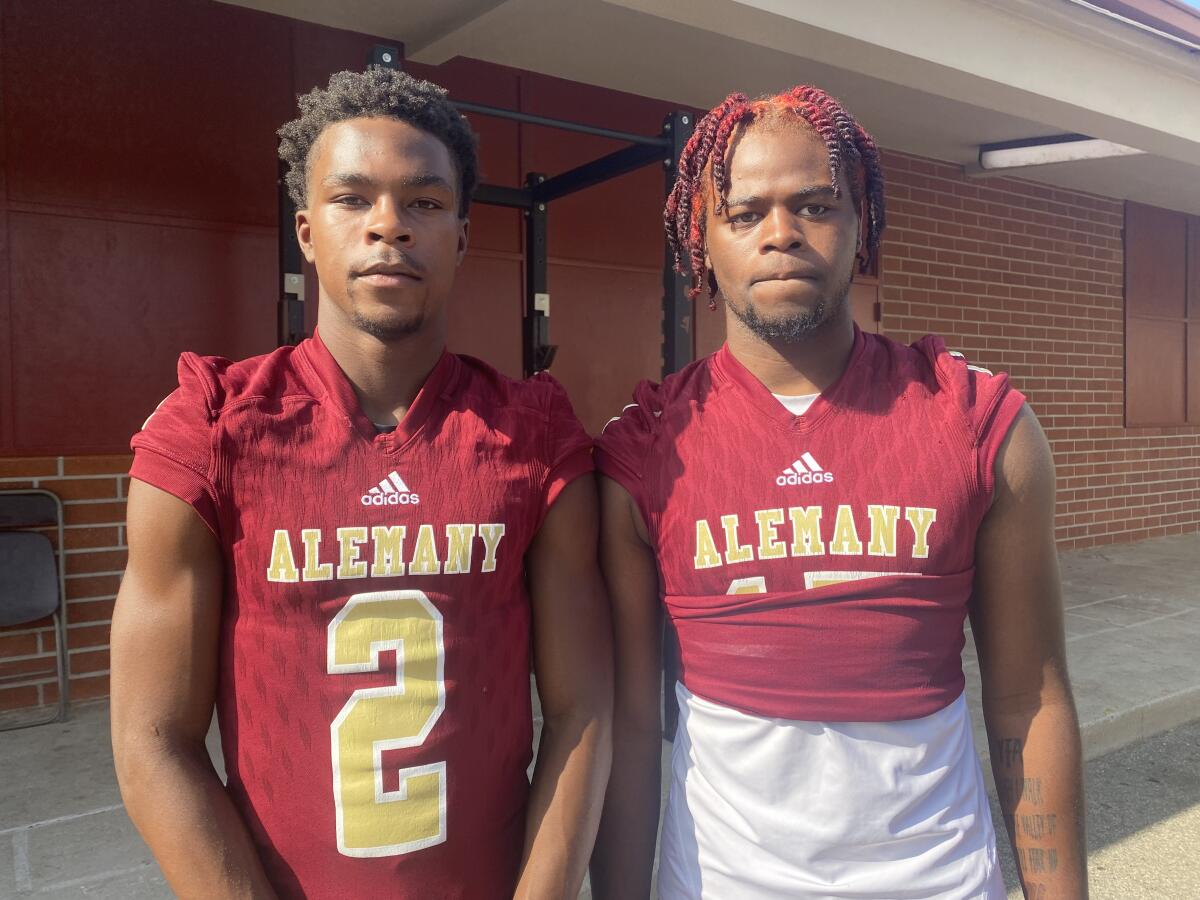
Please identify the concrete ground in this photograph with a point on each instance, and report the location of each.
(1133, 626)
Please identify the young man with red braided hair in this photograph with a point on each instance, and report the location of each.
(819, 509)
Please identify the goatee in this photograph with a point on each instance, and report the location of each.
(792, 329)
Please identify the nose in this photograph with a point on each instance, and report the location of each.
(781, 231)
(388, 224)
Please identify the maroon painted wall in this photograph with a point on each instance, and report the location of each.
(138, 212)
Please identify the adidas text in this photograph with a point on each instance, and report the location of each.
(392, 491)
(806, 478)
(804, 470)
(390, 499)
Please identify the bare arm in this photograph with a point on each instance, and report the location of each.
(573, 663)
(1017, 620)
(624, 857)
(164, 664)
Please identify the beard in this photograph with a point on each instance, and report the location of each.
(381, 322)
(390, 328)
(798, 326)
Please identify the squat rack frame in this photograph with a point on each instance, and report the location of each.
(534, 199)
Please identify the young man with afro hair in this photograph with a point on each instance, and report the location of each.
(354, 547)
(818, 510)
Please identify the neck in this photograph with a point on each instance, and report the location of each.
(807, 366)
(386, 375)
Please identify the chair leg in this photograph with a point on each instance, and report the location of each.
(64, 677)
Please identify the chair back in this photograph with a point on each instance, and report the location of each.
(27, 509)
(28, 577)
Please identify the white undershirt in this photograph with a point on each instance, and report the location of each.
(773, 809)
(797, 404)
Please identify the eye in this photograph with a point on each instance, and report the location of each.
(811, 210)
(746, 218)
(351, 200)
(426, 203)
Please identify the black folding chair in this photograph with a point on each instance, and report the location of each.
(33, 578)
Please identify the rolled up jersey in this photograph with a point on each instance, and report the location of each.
(817, 567)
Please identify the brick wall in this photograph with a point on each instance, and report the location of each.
(1029, 279)
(92, 489)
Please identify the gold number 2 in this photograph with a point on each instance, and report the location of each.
(372, 821)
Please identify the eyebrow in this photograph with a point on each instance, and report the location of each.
(804, 193)
(351, 179)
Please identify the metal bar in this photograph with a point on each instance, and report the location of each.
(536, 351)
(499, 195)
(678, 308)
(530, 119)
(60, 617)
(678, 351)
(290, 309)
(617, 163)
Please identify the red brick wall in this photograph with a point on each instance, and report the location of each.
(1029, 279)
(93, 490)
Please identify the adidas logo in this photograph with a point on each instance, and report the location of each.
(804, 470)
(392, 491)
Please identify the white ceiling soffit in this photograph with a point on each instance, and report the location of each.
(1046, 60)
(405, 21)
(935, 78)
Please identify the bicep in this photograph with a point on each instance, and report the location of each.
(1016, 611)
(571, 628)
(631, 573)
(165, 625)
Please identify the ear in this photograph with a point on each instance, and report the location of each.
(464, 235)
(304, 235)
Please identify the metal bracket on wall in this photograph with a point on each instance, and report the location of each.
(537, 352)
(679, 343)
(290, 328)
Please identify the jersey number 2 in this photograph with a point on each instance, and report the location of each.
(371, 820)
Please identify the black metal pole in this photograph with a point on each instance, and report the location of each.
(290, 317)
(530, 119)
(678, 309)
(678, 351)
(537, 352)
(627, 159)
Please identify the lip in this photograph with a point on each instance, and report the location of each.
(388, 274)
(389, 279)
(793, 275)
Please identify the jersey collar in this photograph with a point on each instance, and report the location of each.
(340, 392)
(729, 370)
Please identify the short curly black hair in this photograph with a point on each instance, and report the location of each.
(385, 93)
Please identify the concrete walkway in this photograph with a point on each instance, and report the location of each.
(1133, 630)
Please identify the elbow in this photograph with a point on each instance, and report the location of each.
(145, 754)
(591, 715)
(137, 753)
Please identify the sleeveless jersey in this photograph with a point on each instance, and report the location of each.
(817, 570)
(374, 664)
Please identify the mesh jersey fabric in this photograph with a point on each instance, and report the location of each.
(374, 659)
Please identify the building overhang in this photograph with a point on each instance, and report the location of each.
(938, 78)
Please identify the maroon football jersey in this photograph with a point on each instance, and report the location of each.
(375, 636)
(817, 567)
